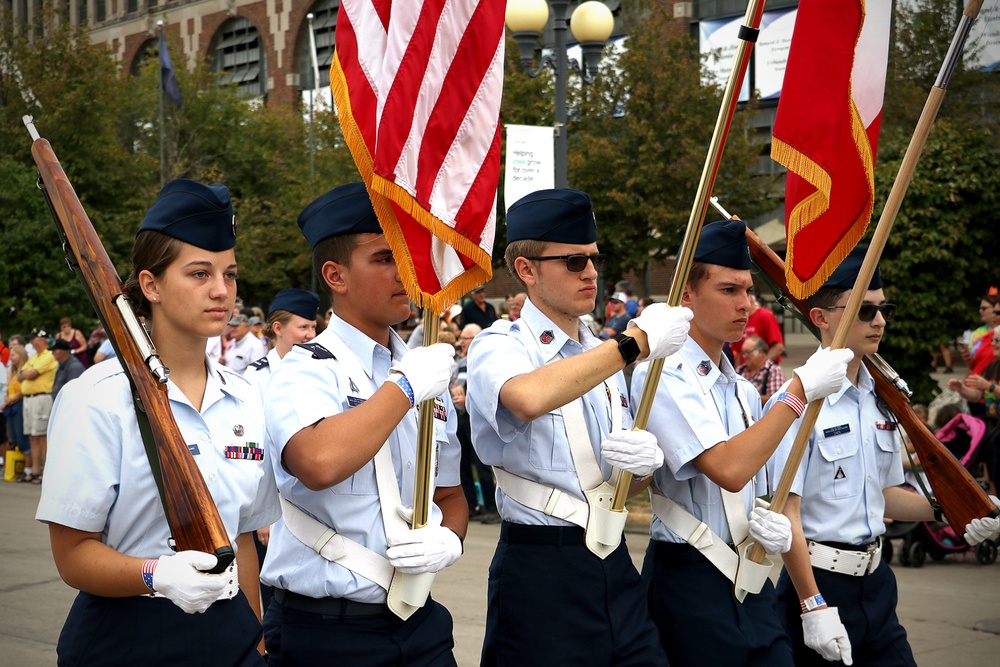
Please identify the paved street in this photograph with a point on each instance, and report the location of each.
(951, 608)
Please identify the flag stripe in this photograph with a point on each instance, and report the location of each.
(419, 100)
(462, 88)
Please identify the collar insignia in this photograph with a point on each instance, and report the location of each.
(705, 367)
(547, 337)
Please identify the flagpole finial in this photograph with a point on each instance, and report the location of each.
(159, 24)
(310, 16)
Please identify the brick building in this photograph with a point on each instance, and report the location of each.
(260, 45)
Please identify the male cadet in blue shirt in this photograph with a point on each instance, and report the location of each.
(847, 484)
(342, 426)
(704, 418)
(552, 601)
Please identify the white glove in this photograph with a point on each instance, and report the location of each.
(771, 530)
(986, 528)
(666, 328)
(427, 549)
(824, 372)
(183, 580)
(634, 451)
(824, 633)
(428, 370)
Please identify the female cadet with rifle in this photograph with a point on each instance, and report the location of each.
(140, 603)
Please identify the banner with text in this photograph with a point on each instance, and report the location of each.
(530, 163)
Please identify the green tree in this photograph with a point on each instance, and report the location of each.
(940, 257)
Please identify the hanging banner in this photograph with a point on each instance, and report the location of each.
(530, 163)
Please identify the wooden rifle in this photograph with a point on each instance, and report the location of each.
(192, 516)
(961, 497)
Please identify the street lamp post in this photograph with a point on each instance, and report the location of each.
(591, 23)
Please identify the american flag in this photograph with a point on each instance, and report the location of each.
(826, 132)
(417, 84)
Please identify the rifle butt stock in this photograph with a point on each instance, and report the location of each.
(191, 512)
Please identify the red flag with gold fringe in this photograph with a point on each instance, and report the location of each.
(417, 84)
(826, 133)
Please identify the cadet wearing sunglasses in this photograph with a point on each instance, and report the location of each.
(577, 263)
(867, 311)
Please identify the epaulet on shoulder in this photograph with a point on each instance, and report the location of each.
(317, 350)
(260, 363)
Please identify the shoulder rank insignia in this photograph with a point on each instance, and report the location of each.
(705, 367)
(547, 337)
(260, 363)
(318, 351)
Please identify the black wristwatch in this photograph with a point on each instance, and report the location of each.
(629, 348)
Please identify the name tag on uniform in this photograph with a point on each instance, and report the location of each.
(885, 426)
(354, 401)
(194, 449)
(248, 453)
(836, 430)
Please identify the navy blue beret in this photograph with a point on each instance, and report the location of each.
(344, 210)
(724, 243)
(299, 302)
(189, 211)
(844, 275)
(560, 216)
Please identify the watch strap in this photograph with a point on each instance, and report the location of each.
(628, 347)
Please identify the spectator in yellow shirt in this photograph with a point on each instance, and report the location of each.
(37, 376)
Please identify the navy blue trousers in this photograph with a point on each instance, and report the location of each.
(699, 619)
(302, 638)
(867, 608)
(562, 605)
(154, 631)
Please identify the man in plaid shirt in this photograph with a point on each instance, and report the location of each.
(763, 373)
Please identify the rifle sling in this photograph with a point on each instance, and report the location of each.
(149, 444)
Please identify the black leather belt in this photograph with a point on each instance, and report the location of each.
(340, 608)
(517, 533)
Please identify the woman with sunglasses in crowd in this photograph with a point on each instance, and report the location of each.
(140, 602)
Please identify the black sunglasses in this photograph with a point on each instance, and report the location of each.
(577, 263)
(866, 313)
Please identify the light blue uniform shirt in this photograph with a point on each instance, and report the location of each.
(536, 450)
(258, 374)
(685, 430)
(98, 479)
(304, 390)
(849, 460)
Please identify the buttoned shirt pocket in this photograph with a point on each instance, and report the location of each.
(840, 473)
(887, 452)
(549, 448)
(704, 491)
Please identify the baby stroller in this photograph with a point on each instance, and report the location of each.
(963, 436)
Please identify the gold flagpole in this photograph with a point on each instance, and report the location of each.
(748, 35)
(917, 142)
(425, 439)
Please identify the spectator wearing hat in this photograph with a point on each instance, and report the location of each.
(619, 316)
(715, 444)
(342, 424)
(548, 409)
(141, 602)
(70, 367)
(478, 310)
(837, 596)
(37, 376)
(243, 348)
